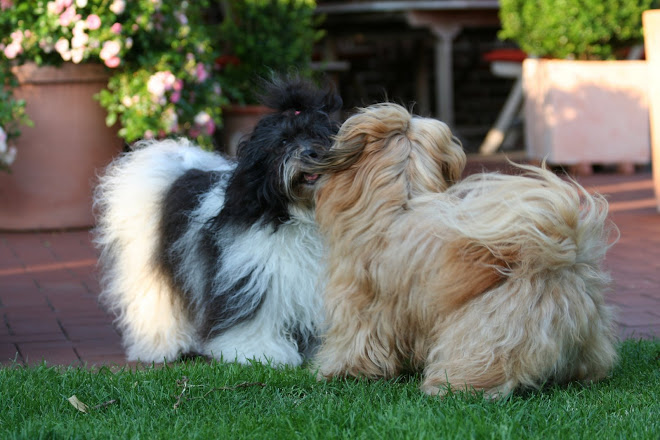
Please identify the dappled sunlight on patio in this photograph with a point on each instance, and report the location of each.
(36, 268)
(633, 205)
(623, 187)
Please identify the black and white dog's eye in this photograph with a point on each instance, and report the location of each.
(284, 141)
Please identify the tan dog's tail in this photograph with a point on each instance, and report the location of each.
(532, 222)
(547, 237)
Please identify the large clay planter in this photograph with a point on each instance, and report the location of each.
(238, 122)
(51, 183)
(593, 112)
(651, 21)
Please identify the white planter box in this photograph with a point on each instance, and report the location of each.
(651, 23)
(593, 112)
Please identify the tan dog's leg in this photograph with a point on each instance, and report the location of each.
(458, 366)
(360, 342)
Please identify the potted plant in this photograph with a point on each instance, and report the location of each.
(260, 38)
(585, 102)
(148, 63)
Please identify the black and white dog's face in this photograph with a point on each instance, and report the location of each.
(272, 174)
(284, 143)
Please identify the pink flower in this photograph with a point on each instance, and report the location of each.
(202, 118)
(69, 16)
(93, 22)
(79, 40)
(118, 6)
(12, 50)
(112, 62)
(58, 6)
(77, 54)
(201, 73)
(79, 28)
(110, 49)
(210, 127)
(116, 28)
(5, 4)
(175, 97)
(62, 46)
(159, 83)
(17, 36)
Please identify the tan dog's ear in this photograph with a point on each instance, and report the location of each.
(437, 158)
(454, 161)
(344, 153)
(361, 131)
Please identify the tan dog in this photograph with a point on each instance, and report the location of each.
(492, 283)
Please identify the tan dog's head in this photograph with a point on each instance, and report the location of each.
(385, 151)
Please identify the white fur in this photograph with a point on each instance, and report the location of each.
(293, 296)
(153, 320)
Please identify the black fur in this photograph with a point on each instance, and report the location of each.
(301, 121)
(181, 199)
(221, 313)
(300, 128)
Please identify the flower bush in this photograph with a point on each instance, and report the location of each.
(160, 54)
(12, 116)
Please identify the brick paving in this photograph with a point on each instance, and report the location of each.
(49, 284)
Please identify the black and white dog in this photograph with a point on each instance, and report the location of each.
(203, 254)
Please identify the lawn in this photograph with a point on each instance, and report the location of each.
(197, 399)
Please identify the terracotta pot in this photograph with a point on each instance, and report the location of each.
(593, 112)
(239, 121)
(51, 183)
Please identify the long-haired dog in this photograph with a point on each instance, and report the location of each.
(202, 254)
(490, 283)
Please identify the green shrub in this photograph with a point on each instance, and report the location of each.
(264, 37)
(573, 29)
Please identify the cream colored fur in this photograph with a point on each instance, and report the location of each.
(491, 283)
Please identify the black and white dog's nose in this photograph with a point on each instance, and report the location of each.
(310, 154)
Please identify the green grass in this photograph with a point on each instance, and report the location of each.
(287, 404)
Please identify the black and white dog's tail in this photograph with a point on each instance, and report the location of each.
(154, 322)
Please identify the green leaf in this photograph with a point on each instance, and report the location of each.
(111, 119)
